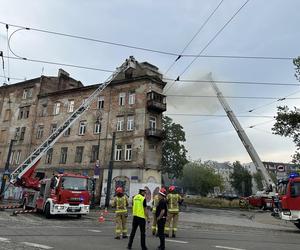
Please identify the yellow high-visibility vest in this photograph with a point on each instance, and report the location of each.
(121, 204)
(173, 203)
(138, 208)
(155, 203)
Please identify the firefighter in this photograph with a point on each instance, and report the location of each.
(173, 200)
(154, 221)
(120, 202)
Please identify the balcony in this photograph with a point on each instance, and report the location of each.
(154, 133)
(156, 102)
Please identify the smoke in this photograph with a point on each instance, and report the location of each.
(189, 104)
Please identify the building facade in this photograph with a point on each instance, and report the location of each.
(130, 107)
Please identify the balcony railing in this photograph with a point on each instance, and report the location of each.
(154, 133)
(156, 106)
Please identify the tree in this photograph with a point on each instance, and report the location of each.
(200, 179)
(173, 151)
(258, 177)
(288, 120)
(241, 179)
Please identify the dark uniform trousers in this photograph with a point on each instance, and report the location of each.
(161, 232)
(141, 223)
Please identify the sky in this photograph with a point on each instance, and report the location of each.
(260, 28)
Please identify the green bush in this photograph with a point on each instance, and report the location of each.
(212, 202)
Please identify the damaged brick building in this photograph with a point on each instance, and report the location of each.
(131, 106)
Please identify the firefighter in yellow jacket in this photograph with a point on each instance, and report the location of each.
(173, 200)
(120, 202)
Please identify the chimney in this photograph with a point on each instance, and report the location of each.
(61, 73)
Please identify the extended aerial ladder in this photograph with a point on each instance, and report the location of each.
(26, 168)
(242, 135)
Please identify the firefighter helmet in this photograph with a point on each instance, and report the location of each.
(172, 188)
(162, 191)
(119, 190)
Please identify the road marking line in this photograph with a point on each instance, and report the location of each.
(4, 239)
(94, 231)
(230, 248)
(36, 245)
(178, 241)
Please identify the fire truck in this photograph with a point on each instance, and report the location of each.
(62, 193)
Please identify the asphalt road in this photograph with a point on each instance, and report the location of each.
(33, 231)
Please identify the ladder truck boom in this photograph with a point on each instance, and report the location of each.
(242, 135)
(29, 164)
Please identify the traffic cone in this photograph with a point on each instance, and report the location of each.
(101, 218)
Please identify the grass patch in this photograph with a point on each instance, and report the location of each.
(212, 202)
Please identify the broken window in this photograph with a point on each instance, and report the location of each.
(63, 155)
(40, 132)
(128, 152)
(78, 154)
(71, 104)
(118, 153)
(120, 123)
(95, 152)
(122, 99)
(56, 108)
(130, 122)
(82, 128)
(22, 135)
(100, 103)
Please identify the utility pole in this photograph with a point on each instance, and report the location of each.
(5, 175)
(110, 168)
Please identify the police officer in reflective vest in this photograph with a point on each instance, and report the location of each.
(140, 215)
(120, 202)
(173, 200)
(154, 221)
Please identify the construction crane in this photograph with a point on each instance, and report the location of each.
(242, 135)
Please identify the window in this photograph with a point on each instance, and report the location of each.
(22, 135)
(95, 152)
(118, 153)
(12, 156)
(44, 110)
(152, 122)
(56, 108)
(49, 154)
(82, 128)
(97, 127)
(63, 155)
(122, 99)
(7, 115)
(18, 157)
(3, 135)
(71, 104)
(131, 98)
(17, 133)
(24, 112)
(53, 127)
(79, 153)
(130, 122)
(27, 93)
(120, 123)
(67, 132)
(100, 103)
(128, 152)
(40, 132)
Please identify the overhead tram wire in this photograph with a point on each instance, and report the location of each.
(206, 46)
(147, 49)
(8, 67)
(13, 78)
(195, 35)
(235, 97)
(211, 115)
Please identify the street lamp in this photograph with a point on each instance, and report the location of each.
(5, 175)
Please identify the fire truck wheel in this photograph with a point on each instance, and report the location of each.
(78, 216)
(297, 224)
(47, 211)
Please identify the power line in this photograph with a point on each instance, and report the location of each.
(234, 82)
(210, 41)
(235, 97)
(13, 78)
(208, 115)
(196, 34)
(143, 48)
